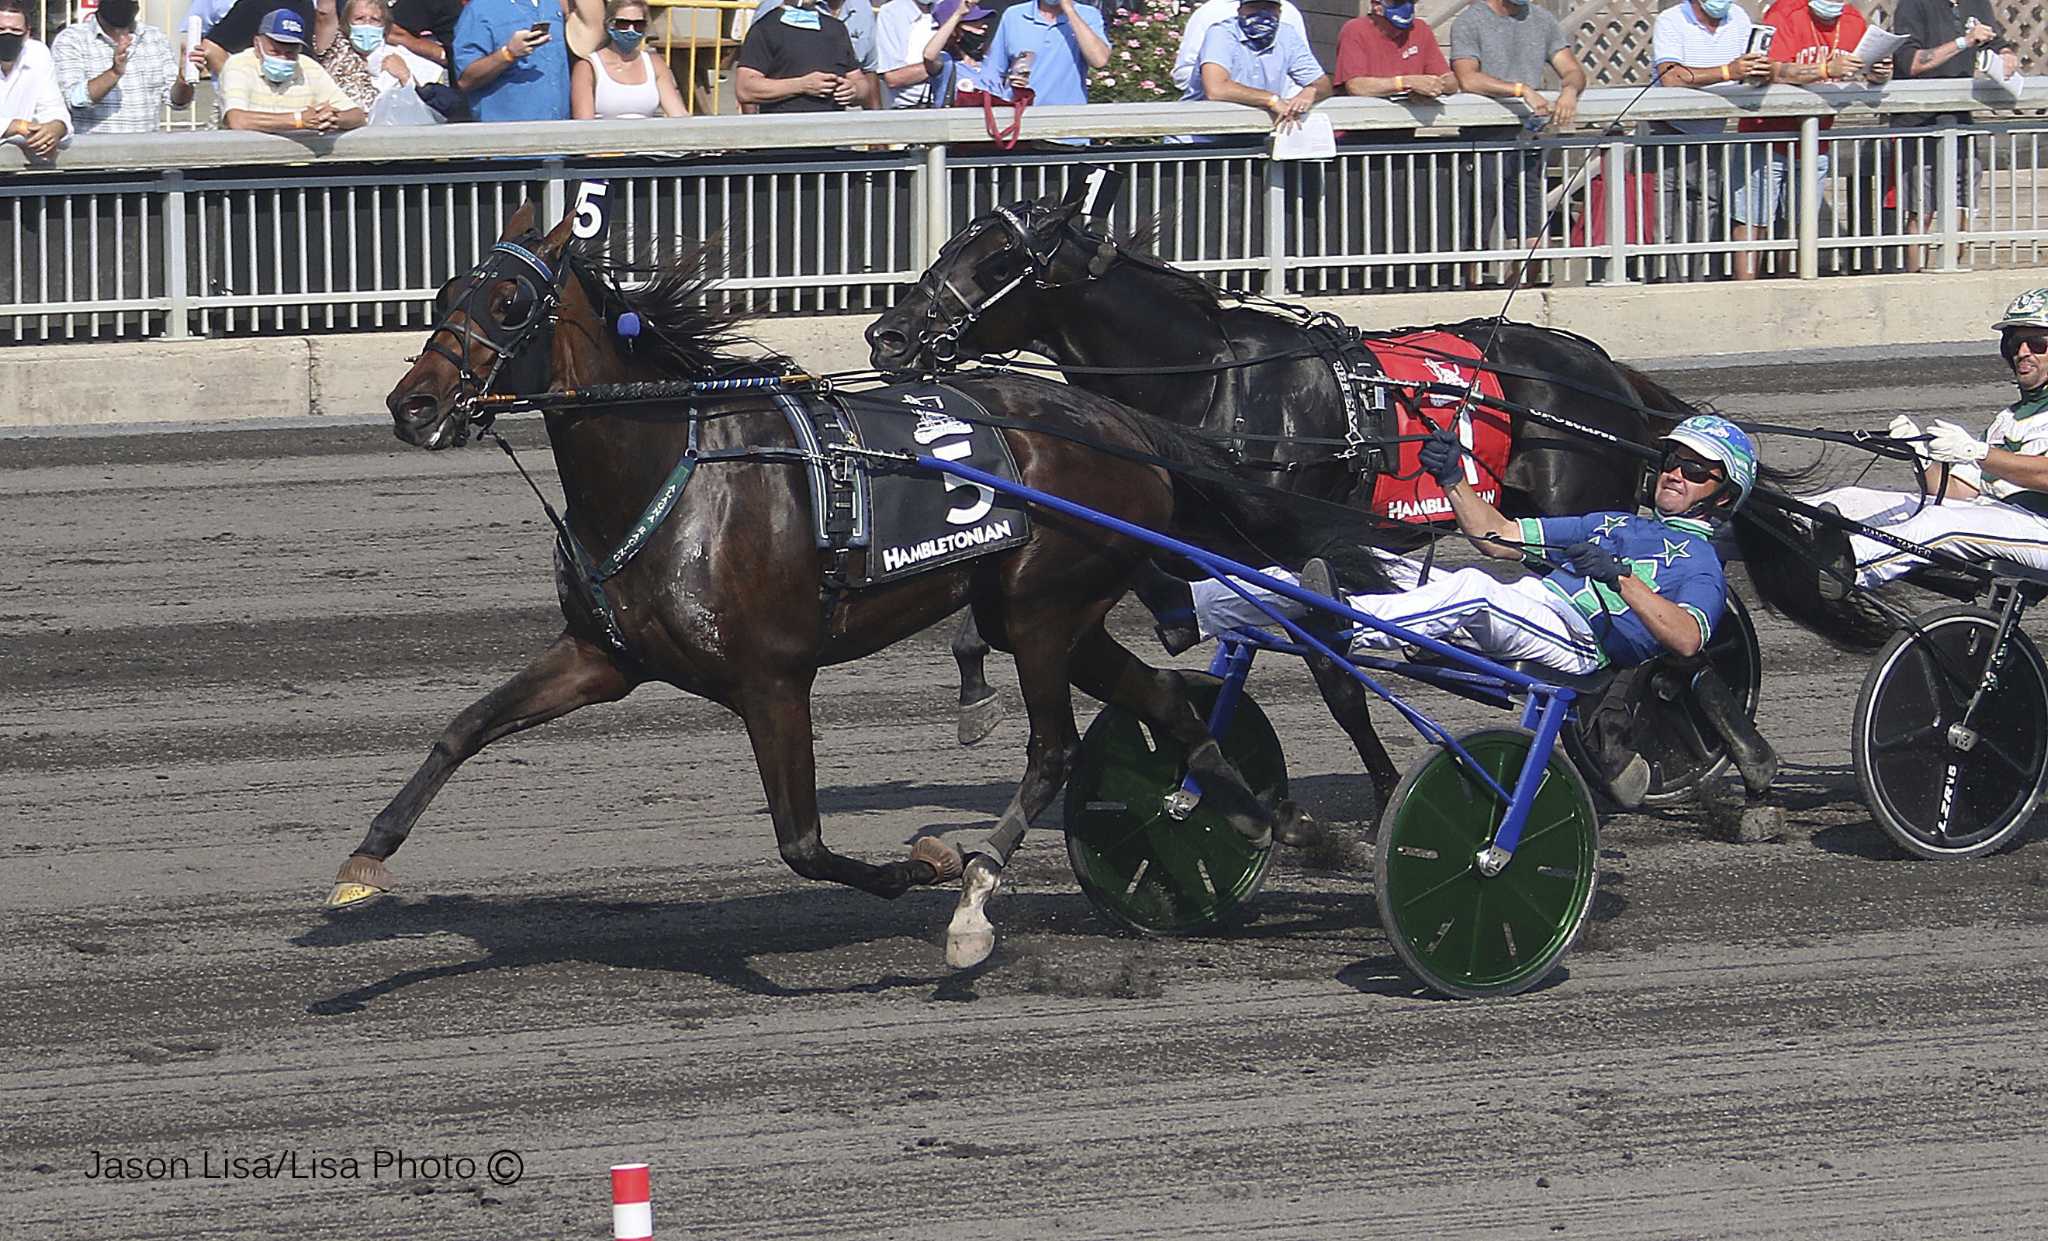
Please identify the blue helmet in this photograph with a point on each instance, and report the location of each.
(1717, 439)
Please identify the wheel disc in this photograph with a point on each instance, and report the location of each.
(1469, 935)
(1932, 795)
(1144, 869)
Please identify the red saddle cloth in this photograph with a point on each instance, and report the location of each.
(1405, 493)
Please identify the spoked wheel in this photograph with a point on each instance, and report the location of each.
(1939, 790)
(1144, 869)
(1470, 935)
(1665, 724)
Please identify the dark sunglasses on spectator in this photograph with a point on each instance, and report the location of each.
(2032, 344)
(625, 23)
(1695, 470)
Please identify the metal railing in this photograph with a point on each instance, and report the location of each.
(243, 233)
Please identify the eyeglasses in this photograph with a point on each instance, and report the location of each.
(1695, 471)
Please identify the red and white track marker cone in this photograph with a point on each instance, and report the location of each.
(632, 1203)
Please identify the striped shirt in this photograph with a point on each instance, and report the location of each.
(243, 87)
(84, 50)
(1679, 38)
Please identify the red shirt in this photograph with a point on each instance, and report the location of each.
(1369, 48)
(1802, 40)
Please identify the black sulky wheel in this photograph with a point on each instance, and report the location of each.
(1664, 722)
(1939, 790)
(1472, 935)
(1144, 869)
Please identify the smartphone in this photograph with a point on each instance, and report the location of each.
(1760, 38)
(541, 29)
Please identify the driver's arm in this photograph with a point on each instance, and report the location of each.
(1674, 625)
(1497, 536)
(2022, 469)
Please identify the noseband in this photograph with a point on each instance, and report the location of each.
(537, 287)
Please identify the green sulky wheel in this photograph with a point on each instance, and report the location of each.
(1145, 870)
(1463, 933)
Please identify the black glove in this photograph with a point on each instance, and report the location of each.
(1595, 563)
(1443, 457)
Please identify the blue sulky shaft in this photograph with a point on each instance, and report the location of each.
(1223, 566)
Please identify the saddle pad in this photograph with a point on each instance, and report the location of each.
(918, 522)
(1404, 492)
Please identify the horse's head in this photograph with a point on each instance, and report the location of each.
(985, 291)
(495, 326)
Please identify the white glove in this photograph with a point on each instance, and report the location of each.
(1950, 443)
(1904, 428)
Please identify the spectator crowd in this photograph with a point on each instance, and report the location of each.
(325, 66)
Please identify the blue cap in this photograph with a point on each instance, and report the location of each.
(283, 25)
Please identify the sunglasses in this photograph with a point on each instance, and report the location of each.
(1695, 471)
(622, 23)
(2029, 344)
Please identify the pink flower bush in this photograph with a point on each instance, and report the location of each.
(1149, 35)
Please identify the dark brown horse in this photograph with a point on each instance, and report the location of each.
(727, 599)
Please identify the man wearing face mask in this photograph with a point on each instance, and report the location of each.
(275, 88)
(1390, 53)
(800, 59)
(1996, 500)
(1260, 63)
(116, 74)
(31, 108)
(1212, 13)
(1046, 47)
(1703, 44)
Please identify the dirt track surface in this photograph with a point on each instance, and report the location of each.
(224, 652)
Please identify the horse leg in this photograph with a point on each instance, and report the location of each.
(569, 674)
(1351, 706)
(981, 708)
(778, 718)
(1042, 652)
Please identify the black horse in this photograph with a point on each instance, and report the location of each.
(1049, 277)
(728, 599)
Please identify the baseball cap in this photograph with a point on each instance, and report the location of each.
(283, 25)
(944, 13)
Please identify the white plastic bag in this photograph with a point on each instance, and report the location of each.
(403, 106)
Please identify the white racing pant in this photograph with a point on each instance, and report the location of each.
(1523, 619)
(1976, 529)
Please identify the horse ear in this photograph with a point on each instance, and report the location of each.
(521, 222)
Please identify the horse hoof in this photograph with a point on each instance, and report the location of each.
(970, 937)
(361, 878)
(1294, 826)
(979, 718)
(940, 856)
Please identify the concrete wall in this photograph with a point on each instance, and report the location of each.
(208, 381)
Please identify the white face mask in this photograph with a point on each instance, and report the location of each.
(1826, 10)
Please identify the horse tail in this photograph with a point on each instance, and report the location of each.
(1218, 509)
(1666, 409)
(1783, 570)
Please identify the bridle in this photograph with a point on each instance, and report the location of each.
(537, 291)
(1033, 261)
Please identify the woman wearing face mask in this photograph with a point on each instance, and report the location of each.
(1812, 47)
(392, 65)
(622, 80)
(953, 54)
(336, 54)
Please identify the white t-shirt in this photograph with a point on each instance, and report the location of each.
(2027, 435)
(902, 28)
(1678, 38)
(1211, 13)
(30, 92)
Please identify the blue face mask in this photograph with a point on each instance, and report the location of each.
(1401, 16)
(627, 42)
(366, 38)
(1826, 10)
(1716, 9)
(1259, 29)
(278, 70)
(801, 19)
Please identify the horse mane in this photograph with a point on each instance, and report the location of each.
(686, 330)
(1139, 247)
